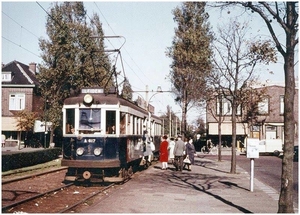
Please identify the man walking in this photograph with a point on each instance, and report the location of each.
(179, 153)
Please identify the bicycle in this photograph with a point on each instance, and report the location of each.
(212, 150)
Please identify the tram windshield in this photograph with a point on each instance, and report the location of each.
(90, 119)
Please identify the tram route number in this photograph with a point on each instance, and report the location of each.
(90, 140)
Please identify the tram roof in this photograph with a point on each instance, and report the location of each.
(108, 99)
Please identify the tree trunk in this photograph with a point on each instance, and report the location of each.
(51, 136)
(220, 142)
(184, 110)
(219, 129)
(233, 148)
(286, 195)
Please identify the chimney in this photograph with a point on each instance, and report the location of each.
(32, 67)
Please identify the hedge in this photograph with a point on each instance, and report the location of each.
(24, 159)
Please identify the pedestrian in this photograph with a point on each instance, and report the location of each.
(148, 152)
(163, 152)
(171, 149)
(190, 153)
(179, 153)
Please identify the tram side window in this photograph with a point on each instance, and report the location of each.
(129, 125)
(134, 125)
(70, 121)
(122, 123)
(110, 122)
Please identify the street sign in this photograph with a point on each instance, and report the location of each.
(252, 148)
(39, 126)
(252, 152)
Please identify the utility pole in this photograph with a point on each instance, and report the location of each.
(159, 90)
(170, 123)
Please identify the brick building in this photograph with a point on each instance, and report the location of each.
(19, 92)
(267, 123)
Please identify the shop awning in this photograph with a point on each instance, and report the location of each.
(9, 124)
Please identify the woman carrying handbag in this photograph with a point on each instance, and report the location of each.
(190, 154)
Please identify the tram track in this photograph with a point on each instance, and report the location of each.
(68, 209)
(43, 202)
(18, 189)
(19, 178)
(46, 193)
(17, 203)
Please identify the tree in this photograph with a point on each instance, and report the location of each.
(126, 90)
(235, 61)
(190, 52)
(250, 104)
(286, 16)
(72, 59)
(25, 121)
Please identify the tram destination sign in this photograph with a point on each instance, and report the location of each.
(92, 90)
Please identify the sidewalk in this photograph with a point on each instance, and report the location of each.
(208, 188)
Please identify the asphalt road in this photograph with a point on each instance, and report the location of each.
(267, 169)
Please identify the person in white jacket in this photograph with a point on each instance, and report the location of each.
(171, 147)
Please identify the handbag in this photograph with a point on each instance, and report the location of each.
(152, 146)
(187, 160)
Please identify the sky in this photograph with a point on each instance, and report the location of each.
(148, 29)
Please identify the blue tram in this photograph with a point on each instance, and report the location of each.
(103, 136)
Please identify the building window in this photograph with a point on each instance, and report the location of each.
(281, 105)
(227, 107)
(6, 76)
(17, 101)
(263, 106)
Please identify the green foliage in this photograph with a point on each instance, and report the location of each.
(72, 57)
(127, 90)
(25, 120)
(191, 54)
(190, 49)
(16, 160)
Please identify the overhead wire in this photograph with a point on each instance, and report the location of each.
(22, 27)
(19, 24)
(19, 45)
(124, 49)
(148, 79)
(122, 61)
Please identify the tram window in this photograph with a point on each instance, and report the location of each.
(122, 123)
(134, 125)
(110, 122)
(129, 125)
(90, 119)
(70, 121)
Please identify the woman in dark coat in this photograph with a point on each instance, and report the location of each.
(163, 152)
(190, 151)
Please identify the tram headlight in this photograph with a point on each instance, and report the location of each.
(80, 151)
(88, 99)
(97, 151)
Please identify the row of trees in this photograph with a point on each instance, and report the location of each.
(224, 64)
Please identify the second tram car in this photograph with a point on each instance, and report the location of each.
(103, 136)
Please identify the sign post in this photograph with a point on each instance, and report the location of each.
(252, 152)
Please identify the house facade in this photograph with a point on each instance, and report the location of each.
(267, 122)
(19, 91)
